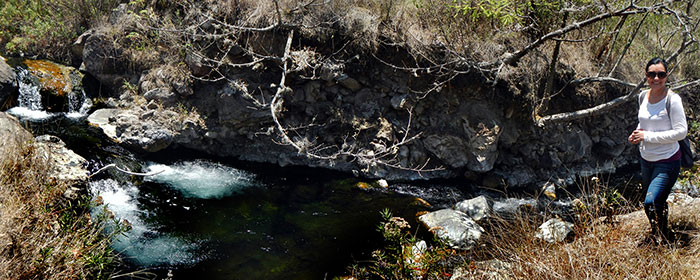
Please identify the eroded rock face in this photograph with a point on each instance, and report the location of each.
(148, 128)
(103, 60)
(66, 164)
(468, 128)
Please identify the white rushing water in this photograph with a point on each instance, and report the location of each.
(29, 100)
(201, 179)
(143, 244)
(29, 96)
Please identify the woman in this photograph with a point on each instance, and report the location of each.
(658, 134)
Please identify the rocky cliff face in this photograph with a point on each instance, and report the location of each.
(464, 128)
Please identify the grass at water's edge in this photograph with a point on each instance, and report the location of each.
(606, 245)
(44, 235)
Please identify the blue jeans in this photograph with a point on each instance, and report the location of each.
(658, 178)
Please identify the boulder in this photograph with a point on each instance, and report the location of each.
(348, 82)
(100, 118)
(78, 46)
(195, 62)
(8, 84)
(456, 228)
(103, 60)
(451, 150)
(66, 164)
(58, 84)
(554, 230)
(11, 133)
(476, 208)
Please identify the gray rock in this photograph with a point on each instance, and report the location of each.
(195, 62)
(101, 117)
(348, 82)
(79, 44)
(149, 139)
(161, 95)
(449, 149)
(687, 188)
(476, 208)
(8, 83)
(104, 61)
(455, 227)
(66, 164)
(680, 199)
(11, 133)
(554, 230)
(510, 207)
(609, 148)
(576, 145)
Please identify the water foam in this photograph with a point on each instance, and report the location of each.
(201, 179)
(27, 113)
(142, 244)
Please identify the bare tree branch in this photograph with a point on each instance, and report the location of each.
(597, 110)
(512, 58)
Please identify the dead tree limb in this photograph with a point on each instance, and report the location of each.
(513, 58)
(628, 45)
(597, 110)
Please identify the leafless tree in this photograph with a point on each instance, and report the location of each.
(212, 39)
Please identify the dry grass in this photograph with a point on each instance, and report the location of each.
(600, 250)
(42, 234)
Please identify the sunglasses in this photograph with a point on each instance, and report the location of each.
(651, 75)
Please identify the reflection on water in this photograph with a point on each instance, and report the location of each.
(207, 220)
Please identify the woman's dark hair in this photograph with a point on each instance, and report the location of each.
(657, 60)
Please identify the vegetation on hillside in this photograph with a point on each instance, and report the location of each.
(47, 28)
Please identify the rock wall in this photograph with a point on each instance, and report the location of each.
(467, 128)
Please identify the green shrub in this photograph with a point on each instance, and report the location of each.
(47, 28)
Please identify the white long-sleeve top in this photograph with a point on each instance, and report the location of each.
(661, 133)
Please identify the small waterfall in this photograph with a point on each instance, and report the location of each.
(78, 104)
(30, 102)
(29, 96)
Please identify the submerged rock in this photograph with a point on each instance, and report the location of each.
(455, 227)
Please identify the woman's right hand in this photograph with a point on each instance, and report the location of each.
(636, 136)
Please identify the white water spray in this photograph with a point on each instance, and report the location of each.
(200, 179)
(143, 244)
